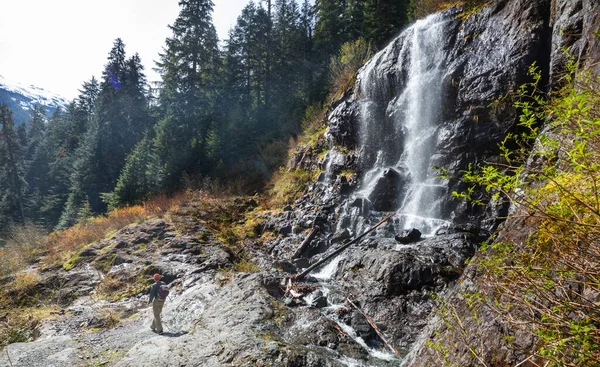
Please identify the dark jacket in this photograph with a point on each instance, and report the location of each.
(154, 291)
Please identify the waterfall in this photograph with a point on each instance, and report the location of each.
(398, 125)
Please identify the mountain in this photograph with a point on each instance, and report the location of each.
(21, 99)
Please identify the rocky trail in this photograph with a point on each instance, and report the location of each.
(216, 316)
(422, 102)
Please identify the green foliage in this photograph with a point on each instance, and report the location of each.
(343, 68)
(73, 262)
(288, 185)
(11, 171)
(140, 176)
(245, 266)
(230, 113)
(422, 8)
(545, 281)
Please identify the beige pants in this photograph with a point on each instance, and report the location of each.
(157, 306)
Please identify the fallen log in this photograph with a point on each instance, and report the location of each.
(305, 243)
(344, 246)
(374, 326)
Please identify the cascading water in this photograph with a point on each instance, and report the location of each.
(398, 127)
(400, 97)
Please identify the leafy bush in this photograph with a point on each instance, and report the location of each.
(549, 281)
(344, 66)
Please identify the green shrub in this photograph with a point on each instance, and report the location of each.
(344, 66)
(549, 281)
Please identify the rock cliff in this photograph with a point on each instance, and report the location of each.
(224, 313)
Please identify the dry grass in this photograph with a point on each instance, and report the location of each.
(22, 248)
(22, 324)
(426, 7)
(62, 244)
(28, 243)
(288, 186)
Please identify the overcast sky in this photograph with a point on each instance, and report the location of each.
(59, 44)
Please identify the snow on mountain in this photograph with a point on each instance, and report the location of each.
(21, 99)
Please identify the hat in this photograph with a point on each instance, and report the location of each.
(157, 277)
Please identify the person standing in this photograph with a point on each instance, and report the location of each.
(157, 298)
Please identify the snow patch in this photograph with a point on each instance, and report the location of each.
(35, 94)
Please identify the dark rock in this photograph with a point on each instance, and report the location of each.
(181, 242)
(88, 252)
(288, 208)
(192, 251)
(121, 244)
(142, 238)
(301, 263)
(408, 236)
(285, 230)
(286, 266)
(318, 300)
(341, 236)
(251, 203)
(120, 259)
(361, 326)
(387, 193)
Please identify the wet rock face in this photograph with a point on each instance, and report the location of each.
(574, 23)
(486, 56)
(386, 196)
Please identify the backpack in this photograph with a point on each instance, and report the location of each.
(163, 291)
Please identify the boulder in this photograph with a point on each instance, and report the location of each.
(388, 191)
(408, 236)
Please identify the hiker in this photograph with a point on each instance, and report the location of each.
(158, 294)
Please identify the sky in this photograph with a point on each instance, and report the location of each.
(59, 44)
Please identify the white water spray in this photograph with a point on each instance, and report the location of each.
(399, 127)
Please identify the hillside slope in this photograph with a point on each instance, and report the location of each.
(231, 260)
(21, 99)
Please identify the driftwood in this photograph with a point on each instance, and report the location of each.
(344, 246)
(306, 242)
(374, 326)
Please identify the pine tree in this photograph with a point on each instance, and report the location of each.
(384, 18)
(84, 179)
(119, 120)
(12, 183)
(58, 148)
(331, 26)
(36, 163)
(139, 177)
(188, 65)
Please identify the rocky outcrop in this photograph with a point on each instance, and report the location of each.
(218, 316)
(574, 25)
(460, 342)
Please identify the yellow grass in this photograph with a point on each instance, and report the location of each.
(28, 242)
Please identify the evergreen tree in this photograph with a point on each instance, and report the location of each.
(138, 178)
(384, 18)
(188, 66)
(11, 171)
(119, 120)
(58, 150)
(84, 179)
(331, 26)
(36, 163)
